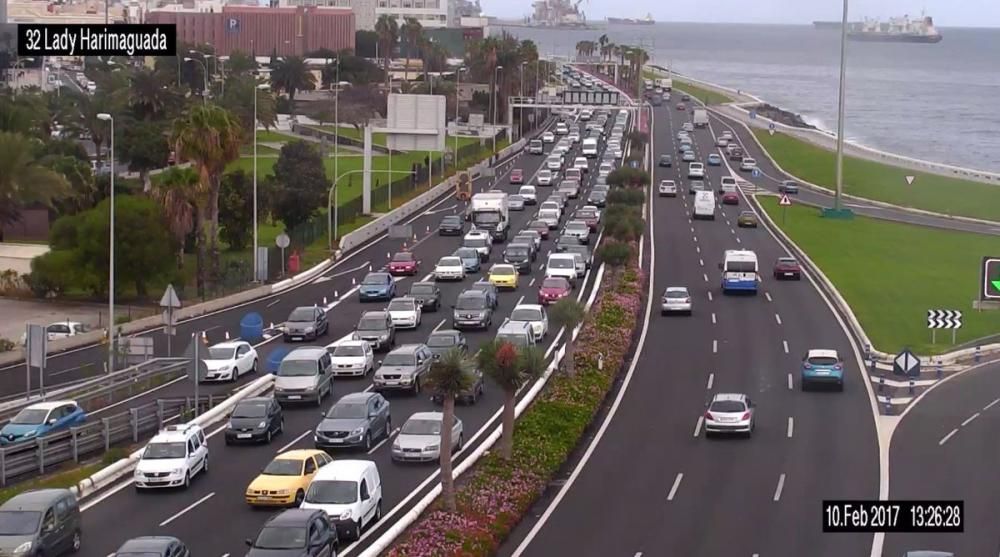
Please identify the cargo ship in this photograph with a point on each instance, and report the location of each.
(648, 20)
(896, 30)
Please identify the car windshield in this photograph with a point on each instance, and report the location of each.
(465, 253)
(371, 324)
(577, 226)
(502, 270)
(281, 537)
(489, 217)
(787, 261)
(250, 410)
(30, 416)
(513, 338)
(422, 289)
(823, 361)
(526, 314)
(421, 427)
(302, 314)
(350, 351)
(19, 523)
(297, 368)
(538, 224)
(347, 410)
(397, 359)
(599, 194)
(548, 214)
(741, 267)
(476, 242)
(727, 406)
(405, 305)
(561, 263)
(447, 262)
(515, 199)
(747, 216)
(451, 220)
(376, 279)
(517, 251)
(164, 450)
(284, 467)
(215, 353)
(332, 492)
(403, 257)
(471, 302)
(676, 294)
(442, 341)
(553, 283)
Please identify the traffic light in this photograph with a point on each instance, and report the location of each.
(991, 278)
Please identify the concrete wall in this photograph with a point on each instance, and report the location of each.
(17, 257)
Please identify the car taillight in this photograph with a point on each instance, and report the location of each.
(687, 300)
(746, 416)
(708, 416)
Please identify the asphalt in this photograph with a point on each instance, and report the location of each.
(945, 449)
(771, 177)
(216, 499)
(652, 486)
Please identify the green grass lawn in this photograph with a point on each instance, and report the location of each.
(262, 151)
(892, 273)
(882, 182)
(268, 136)
(379, 138)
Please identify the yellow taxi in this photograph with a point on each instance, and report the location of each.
(503, 276)
(284, 481)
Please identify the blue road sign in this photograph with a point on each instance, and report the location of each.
(906, 364)
(770, 126)
(753, 114)
(755, 173)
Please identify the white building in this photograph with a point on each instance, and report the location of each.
(364, 10)
(430, 13)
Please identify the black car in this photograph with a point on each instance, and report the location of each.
(451, 225)
(153, 546)
(489, 289)
(788, 186)
(255, 419)
(444, 340)
(597, 198)
(474, 389)
(295, 533)
(666, 160)
(306, 323)
(427, 294)
(518, 255)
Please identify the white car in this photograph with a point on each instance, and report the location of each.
(729, 413)
(687, 126)
(405, 312)
(554, 163)
(618, 153)
(681, 135)
(548, 137)
(529, 195)
(573, 174)
(549, 217)
(561, 265)
(481, 241)
(226, 361)
(722, 142)
(534, 315)
(580, 163)
(449, 268)
(551, 205)
(667, 188)
(545, 177)
(351, 357)
(593, 208)
(696, 170)
(574, 137)
(561, 148)
(60, 330)
(172, 458)
(605, 169)
(561, 129)
(675, 299)
(727, 135)
(748, 164)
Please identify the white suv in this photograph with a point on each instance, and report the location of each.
(172, 458)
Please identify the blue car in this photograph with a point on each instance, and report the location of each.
(41, 419)
(714, 160)
(822, 367)
(377, 286)
(470, 259)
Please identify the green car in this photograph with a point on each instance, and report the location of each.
(747, 220)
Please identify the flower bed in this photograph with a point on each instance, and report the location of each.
(494, 495)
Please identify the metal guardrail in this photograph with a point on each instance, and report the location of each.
(36, 456)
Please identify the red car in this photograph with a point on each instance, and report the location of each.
(517, 176)
(553, 289)
(730, 198)
(403, 263)
(541, 227)
(589, 217)
(681, 106)
(787, 268)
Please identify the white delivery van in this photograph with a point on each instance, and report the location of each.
(562, 265)
(350, 493)
(704, 205)
(728, 185)
(589, 148)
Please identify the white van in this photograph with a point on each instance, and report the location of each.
(518, 333)
(350, 493)
(562, 265)
(728, 185)
(589, 148)
(172, 457)
(704, 205)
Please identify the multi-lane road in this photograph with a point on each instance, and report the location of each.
(211, 516)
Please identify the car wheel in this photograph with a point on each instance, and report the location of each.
(204, 467)
(268, 436)
(356, 535)
(235, 376)
(299, 497)
(187, 480)
(281, 425)
(388, 427)
(368, 441)
(77, 542)
(416, 386)
(378, 511)
(461, 441)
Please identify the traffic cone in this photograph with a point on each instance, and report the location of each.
(324, 300)
(227, 335)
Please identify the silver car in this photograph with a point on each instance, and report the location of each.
(515, 203)
(419, 439)
(354, 421)
(578, 229)
(675, 299)
(403, 368)
(730, 413)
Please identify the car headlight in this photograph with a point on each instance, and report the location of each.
(430, 448)
(345, 515)
(31, 433)
(396, 446)
(358, 431)
(355, 336)
(23, 548)
(309, 329)
(283, 492)
(384, 336)
(261, 425)
(230, 425)
(177, 471)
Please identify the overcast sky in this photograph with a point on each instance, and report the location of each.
(953, 13)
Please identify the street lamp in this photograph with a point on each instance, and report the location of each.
(111, 249)
(458, 86)
(520, 112)
(256, 261)
(17, 79)
(837, 207)
(333, 207)
(496, 103)
(336, 128)
(204, 95)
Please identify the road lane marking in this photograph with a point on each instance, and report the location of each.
(532, 283)
(738, 241)
(427, 277)
(697, 249)
(781, 485)
(791, 384)
(692, 230)
(294, 441)
(768, 296)
(784, 344)
(438, 326)
(777, 318)
(990, 405)
(273, 303)
(696, 239)
(715, 346)
(713, 318)
(710, 296)
(947, 437)
(519, 300)
(791, 426)
(187, 509)
(642, 240)
(968, 421)
(673, 489)
(711, 379)
(701, 262)
(706, 276)
(733, 231)
(382, 442)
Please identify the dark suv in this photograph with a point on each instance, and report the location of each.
(376, 328)
(403, 368)
(473, 310)
(518, 255)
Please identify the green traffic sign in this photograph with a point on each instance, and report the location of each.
(991, 279)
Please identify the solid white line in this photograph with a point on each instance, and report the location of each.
(947, 437)
(642, 241)
(713, 318)
(791, 384)
(382, 442)
(709, 296)
(777, 318)
(791, 426)
(990, 405)
(968, 421)
(187, 508)
(768, 296)
(715, 347)
(706, 276)
(438, 326)
(711, 379)
(673, 489)
(781, 485)
(273, 303)
(294, 441)
(784, 344)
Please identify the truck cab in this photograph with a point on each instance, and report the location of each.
(490, 212)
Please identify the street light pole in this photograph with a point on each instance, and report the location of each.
(520, 112)
(496, 103)
(204, 94)
(458, 86)
(111, 250)
(256, 259)
(336, 130)
(332, 208)
(840, 112)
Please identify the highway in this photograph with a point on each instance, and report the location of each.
(652, 484)
(771, 177)
(216, 499)
(945, 448)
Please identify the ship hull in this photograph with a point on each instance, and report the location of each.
(894, 38)
(615, 21)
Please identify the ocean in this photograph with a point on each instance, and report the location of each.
(939, 102)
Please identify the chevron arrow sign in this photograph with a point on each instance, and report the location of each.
(944, 319)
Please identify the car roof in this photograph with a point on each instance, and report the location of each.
(343, 469)
(426, 416)
(502, 267)
(34, 500)
(297, 517)
(297, 454)
(51, 404)
(355, 398)
(147, 544)
(740, 397)
(407, 348)
(446, 332)
(404, 299)
(822, 353)
(528, 306)
(471, 292)
(229, 344)
(676, 289)
(257, 399)
(307, 352)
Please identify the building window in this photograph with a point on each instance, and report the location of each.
(407, 4)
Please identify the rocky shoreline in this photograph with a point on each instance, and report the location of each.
(783, 116)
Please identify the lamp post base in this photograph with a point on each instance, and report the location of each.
(842, 214)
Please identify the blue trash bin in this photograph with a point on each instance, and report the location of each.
(275, 357)
(252, 328)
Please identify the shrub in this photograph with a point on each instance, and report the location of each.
(52, 273)
(626, 197)
(627, 226)
(6, 345)
(629, 177)
(615, 254)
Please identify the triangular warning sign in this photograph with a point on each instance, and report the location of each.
(785, 201)
(910, 179)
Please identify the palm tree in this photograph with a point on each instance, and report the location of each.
(510, 369)
(568, 313)
(210, 137)
(387, 29)
(88, 107)
(291, 74)
(177, 192)
(448, 378)
(149, 94)
(24, 182)
(412, 32)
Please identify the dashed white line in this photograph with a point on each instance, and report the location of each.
(697, 425)
(274, 302)
(519, 300)
(294, 441)
(733, 231)
(438, 326)
(382, 442)
(777, 318)
(791, 383)
(532, 283)
(710, 296)
(697, 249)
(713, 318)
(969, 420)
(711, 380)
(947, 437)
(781, 485)
(187, 509)
(701, 262)
(696, 239)
(768, 296)
(791, 426)
(784, 344)
(715, 347)
(673, 489)
(990, 405)
(692, 229)
(738, 241)
(706, 276)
